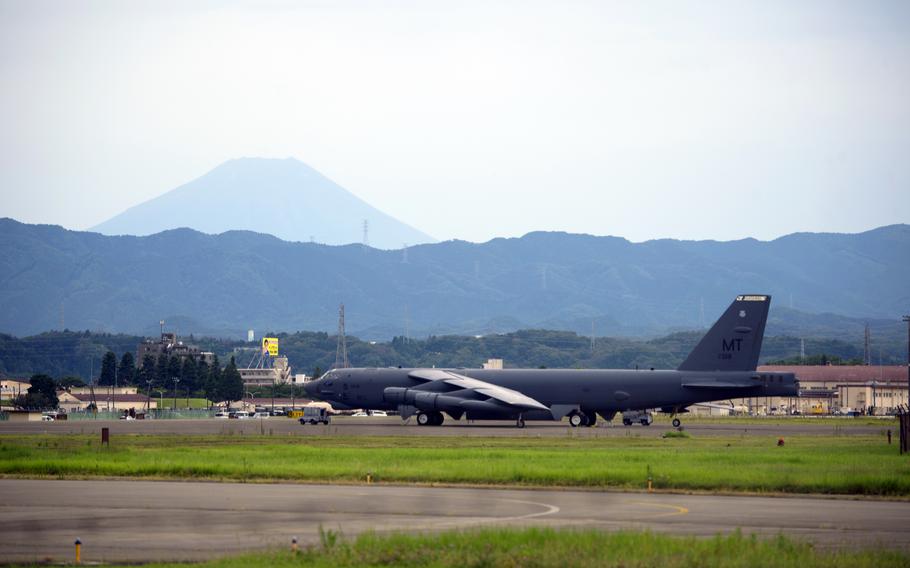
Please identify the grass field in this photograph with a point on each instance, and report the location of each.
(863, 465)
(547, 547)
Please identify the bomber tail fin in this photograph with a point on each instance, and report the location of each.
(734, 342)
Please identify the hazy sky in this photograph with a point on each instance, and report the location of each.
(714, 119)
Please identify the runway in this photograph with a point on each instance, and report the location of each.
(393, 426)
(147, 520)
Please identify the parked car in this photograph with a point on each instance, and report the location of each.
(260, 415)
(363, 413)
(222, 414)
(239, 415)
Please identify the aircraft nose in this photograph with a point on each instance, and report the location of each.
(310, 387)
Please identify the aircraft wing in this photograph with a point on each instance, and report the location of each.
(462, 383)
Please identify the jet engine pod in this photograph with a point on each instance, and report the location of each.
(398, 395)
(426, 401)
(435, 401)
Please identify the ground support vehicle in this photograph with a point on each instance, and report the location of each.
(315, 415)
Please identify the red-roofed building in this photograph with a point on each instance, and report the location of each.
(828, 388)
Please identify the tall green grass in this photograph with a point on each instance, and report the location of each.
(542, 547)
(864, 465)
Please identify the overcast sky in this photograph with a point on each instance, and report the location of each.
(696, 120)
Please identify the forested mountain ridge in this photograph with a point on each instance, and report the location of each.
(228, 283)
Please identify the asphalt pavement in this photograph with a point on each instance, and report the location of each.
(146, 520)
(394, 426)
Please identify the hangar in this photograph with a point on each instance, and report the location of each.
(828, 389)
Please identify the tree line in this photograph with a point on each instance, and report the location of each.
(70, 354)
(187, 374)
(212, 381)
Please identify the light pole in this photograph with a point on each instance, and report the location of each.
(176, 380)
(907, 319)
(148, 396)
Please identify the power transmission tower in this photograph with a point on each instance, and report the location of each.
(341, 350)
(404, 254)
(701, 312)
(366, 233)
(592, 337)
(802, 350)
(867, 351)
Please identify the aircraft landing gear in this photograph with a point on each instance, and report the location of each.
(520, 423)
(676, 422)
(577, 419)
(430, 418)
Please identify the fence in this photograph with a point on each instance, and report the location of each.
(154, 414)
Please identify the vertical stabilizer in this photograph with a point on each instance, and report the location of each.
(734, 342)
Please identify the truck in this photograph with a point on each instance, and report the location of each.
(315, 415)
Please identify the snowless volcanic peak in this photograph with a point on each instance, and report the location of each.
(282, 197)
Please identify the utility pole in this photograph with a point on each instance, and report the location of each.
(176, 380)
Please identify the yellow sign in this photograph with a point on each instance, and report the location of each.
(270, 346)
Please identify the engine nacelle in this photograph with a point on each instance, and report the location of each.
(423, 400)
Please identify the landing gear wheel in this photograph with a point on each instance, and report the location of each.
(437, 418)
(590, 419)
(424, 419)
(676, 422)
(520, 423)
(576, 420)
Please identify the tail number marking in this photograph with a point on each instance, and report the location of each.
(735, 344)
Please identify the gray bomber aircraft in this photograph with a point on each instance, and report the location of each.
(722, 366)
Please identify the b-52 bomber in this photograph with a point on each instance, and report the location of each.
(722, 366)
